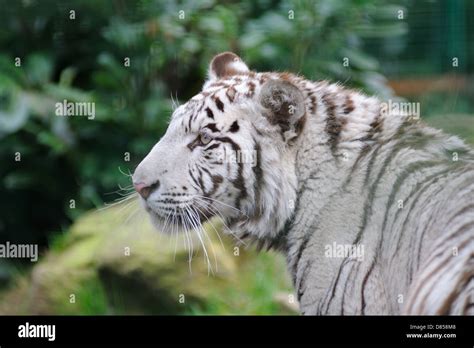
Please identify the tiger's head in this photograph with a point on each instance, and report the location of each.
(228, 152)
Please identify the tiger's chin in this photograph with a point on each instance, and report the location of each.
(178, 222)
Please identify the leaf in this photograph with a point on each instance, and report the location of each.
(38, 69)
(360, 60)
(67, 76)
(381, 30)
(16, 116)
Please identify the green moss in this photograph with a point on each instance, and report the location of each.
(113, 261)
(89, 298)
(262, 289)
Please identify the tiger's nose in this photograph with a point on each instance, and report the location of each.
(144, 190)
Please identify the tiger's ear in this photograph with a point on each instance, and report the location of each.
(226, 64)
(285, 106)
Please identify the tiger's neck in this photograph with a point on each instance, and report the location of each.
(341, 126)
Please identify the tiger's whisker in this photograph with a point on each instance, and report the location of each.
(210, 222)
(137, 209)
(204, 232)
(118, 201)
(175, 234)
(215, 210)
(189, 242)
(200, 237)
(128, 175)
(225, 204)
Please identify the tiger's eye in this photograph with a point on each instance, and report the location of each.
(205, 138)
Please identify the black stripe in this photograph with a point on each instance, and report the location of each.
(238, 182)
(212, 146)
(427, 184)
(445, 261)
(258, 179)
(219, 104)
(451, 236)
(334, 285)
(209, 113)
(349, 105)
(193, 178)
(234, 127)
(426, 228)
(195, 115)
(464, 210)
(192, 145)
(370, 199)
(445, 309)
(216, 181)
(395, 138)
(345, 286)
(302, 285)
(364, 284)
(314, 103)
(334, 124)
(201, 183)
(301, 249)
(212, 127)
(362, 154)
(412, 168)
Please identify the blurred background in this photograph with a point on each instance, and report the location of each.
(79, 50)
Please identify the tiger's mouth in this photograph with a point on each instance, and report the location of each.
(179, 217)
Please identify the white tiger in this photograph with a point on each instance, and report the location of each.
(325, 169)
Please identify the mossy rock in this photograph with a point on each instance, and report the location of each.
(112, 261)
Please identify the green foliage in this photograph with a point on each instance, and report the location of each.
(83, 60)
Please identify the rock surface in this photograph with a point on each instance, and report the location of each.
(113, 262)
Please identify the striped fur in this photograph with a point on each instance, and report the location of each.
(343, 173)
